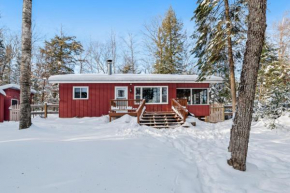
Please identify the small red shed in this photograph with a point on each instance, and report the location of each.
(2, 95)
(89, 95)
(10, 96)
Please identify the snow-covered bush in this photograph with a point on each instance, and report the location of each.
(277, 103)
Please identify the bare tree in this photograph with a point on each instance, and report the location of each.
(282, 39)
(99, 52)
(25, 75)
(112, 44)
(154, 42)
(240, 131)
(130, 52)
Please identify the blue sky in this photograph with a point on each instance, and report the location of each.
(96, 18)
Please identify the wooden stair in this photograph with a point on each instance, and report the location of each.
(161, 119)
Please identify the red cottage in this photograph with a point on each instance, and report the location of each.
(92, 95)
(9, 95)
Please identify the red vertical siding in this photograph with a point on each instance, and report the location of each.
(10, 94)
(1, 108)
(101, 94)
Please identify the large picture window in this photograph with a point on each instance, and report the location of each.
(184, 94)
(81, 92)
(152, 95)
(193, 96)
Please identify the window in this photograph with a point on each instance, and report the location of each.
(121, 92)
(81, 92)
(14, 102)
(138, 93)
(193, 96)
(199, 96)
(152, 95)
(184, 94)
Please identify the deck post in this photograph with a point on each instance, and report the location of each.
(45, 110)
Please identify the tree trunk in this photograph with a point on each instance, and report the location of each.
(240, 131)
(25, 69)
(230, 55)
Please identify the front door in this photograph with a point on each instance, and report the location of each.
(121, 93)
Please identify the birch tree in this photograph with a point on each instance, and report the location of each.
(240, 132)
(25, 69)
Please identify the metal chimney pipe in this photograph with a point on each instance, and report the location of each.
(109, 62)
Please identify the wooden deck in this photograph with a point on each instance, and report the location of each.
(132, 107)
(137, 108)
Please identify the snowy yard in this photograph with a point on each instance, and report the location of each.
(92, 155)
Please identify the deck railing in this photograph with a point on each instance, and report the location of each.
(179, 109)
(133, 107)
(126, 105)
(140, 110)
(183, 102)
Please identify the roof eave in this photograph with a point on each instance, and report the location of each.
(135, 81)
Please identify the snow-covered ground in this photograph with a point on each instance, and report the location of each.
(92, 155)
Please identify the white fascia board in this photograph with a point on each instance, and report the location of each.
(149, 81)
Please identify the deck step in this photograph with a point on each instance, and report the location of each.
(159, 115)
(171, 117)
(162, 112)
(163, 123)
(166, 127)
(161, 120)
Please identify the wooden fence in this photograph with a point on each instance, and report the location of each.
(14, 112)
(219, 112)
(38, 109)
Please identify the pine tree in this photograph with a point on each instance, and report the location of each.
(60, 54)
(219, 35)
(269, 71)
(166, 43)
(272, 92)
(174, 42)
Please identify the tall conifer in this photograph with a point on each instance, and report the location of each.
(220, 31)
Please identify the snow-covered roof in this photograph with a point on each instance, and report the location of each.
(2, 92)
(131, 78)
(13, 86)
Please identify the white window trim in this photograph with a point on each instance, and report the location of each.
(141, 93)
(126, 87)
(74, 87)
(191, 95)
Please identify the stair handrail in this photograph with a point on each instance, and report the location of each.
(180, 110)
(140, 110)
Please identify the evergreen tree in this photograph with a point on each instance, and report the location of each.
(269, 71)
(272, 91)
(166, 43)
(60, 54)
(173, 44)
(219, 35)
